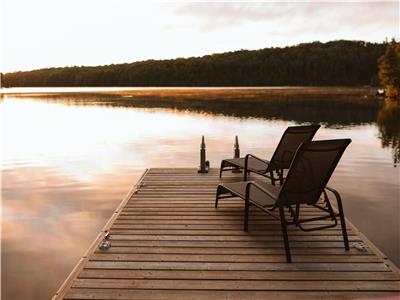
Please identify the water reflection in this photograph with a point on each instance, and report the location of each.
(331, 110)
(48, 220)
(389, 128)
(67, 162)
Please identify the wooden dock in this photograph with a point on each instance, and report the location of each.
(169, 242)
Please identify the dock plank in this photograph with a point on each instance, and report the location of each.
(153, 294)
(169, 242)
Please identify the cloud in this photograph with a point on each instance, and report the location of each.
(228, 14)
(317, 17)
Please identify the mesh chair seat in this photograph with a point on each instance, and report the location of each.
(253, 164)
(256, 195)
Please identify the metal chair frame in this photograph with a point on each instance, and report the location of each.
(275, 163)
(321, 203)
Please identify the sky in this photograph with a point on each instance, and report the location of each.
(55, 33)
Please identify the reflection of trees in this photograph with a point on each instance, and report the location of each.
(331, 110)
(389, 127)
(331, 113)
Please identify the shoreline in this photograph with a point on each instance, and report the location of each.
(273, 90)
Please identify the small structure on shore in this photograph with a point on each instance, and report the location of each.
(381, 92)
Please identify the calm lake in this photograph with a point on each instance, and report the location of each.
(69, 159)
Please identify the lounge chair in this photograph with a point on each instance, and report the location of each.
(281, 159)
(305, 184)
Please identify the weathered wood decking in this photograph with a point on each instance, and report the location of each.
(169, 242)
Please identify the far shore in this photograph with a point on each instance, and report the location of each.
(206, 93)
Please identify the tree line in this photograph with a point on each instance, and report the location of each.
(335, 63)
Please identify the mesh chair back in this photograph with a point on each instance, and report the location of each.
(311, 170)
(290, 141)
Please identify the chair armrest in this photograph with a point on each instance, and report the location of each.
(337, 195)
(333, 191)
(246, 161)
(257, 186)
(256, 157)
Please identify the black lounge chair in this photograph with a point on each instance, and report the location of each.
(281, 159)
(305, 184)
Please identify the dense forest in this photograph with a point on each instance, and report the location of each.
(336, 63)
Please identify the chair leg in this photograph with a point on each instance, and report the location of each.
(281, 177)
(246, 215)
(285, 234)
(271, 174)
(221, 168)
(343, 224)
(219, 188)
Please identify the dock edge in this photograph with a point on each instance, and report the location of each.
(78, 267)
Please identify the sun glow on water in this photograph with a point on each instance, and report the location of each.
(66, 166)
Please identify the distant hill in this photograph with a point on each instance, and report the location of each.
(336, 63)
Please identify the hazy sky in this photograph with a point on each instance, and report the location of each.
(46, 33)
